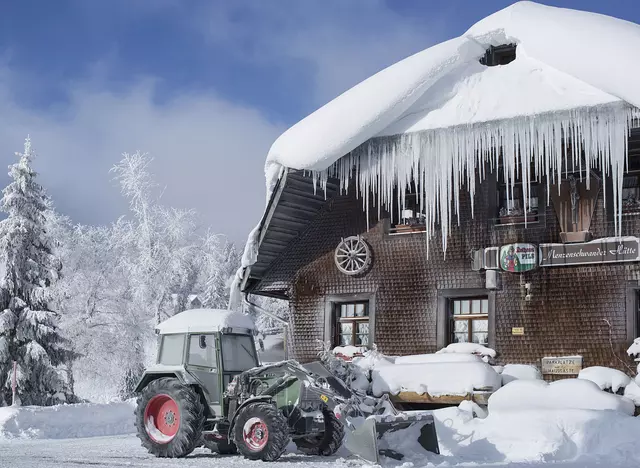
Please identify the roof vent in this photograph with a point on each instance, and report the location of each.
(499, 55)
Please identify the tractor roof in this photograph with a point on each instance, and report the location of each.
(205, 321)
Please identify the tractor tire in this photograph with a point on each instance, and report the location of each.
(221, 447)
(261, 432)
(326, 444)
(169, 418)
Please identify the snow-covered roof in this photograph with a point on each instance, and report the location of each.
(565, 59)
(204, 320)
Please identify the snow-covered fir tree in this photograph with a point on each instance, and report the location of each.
(29, 333)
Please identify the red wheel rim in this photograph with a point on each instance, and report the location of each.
(255, 434)
(162, 419)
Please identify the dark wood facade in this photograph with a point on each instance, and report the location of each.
(589, 310)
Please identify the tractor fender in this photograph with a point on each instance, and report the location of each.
(153, 374)
(245, 403)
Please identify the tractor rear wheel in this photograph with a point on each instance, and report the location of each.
(261, 432)
(169, 418)
(328, 442)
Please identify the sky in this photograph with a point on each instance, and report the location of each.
(204, 86)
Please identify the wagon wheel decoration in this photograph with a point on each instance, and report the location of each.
(352, 256)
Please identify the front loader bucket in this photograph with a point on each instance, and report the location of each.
(394, 436)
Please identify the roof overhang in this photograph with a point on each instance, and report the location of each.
(294, 203)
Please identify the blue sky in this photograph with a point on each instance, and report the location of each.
(204, 85)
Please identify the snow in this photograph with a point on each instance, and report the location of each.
(511, 372)
(349, 351)
(67, 421)
(634, 349)
(605, 377)
(435, 378)
(438, 357)
(273, 349)
(632, 392)
(204, 320)
(562, 394)
(535, 439)
(468, 348)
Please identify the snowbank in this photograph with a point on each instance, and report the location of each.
(204, 320)
(468, 348)
(634, 349)
(67, 421)
(435, 378)
(562, 394)
(538, 436)
(349, 351)
(605, 377)
(512, 372)
(444, 357)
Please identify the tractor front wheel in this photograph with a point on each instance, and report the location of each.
(169, 418)
(261, 432)
(328, 442)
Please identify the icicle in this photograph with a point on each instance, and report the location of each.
(442, 161)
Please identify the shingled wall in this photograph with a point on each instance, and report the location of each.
(574, 311)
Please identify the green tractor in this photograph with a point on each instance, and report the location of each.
(207, 388)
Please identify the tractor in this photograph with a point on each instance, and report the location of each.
(207, 389)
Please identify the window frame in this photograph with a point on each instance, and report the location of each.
(330, 316)
(633, 310)
(444, 308)
(468, 318)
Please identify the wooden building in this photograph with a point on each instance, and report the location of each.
(537, 261)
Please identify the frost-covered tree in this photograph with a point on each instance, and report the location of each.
(220, 262)
(29, 333)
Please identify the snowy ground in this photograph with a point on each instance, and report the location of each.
(125, 451)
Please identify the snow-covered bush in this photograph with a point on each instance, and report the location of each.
(606, 378)
(511, 372)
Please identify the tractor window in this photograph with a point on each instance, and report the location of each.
(202, 351)
(172, 350)
(238, 353)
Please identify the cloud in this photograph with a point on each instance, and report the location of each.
(208, 152)
(342, 43)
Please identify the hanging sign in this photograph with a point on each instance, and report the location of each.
(608, 250)
(568, 365)
(518, 257)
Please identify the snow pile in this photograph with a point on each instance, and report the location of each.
(605, 377)
(204, 320)
(562, 394)
(67, 421)
(435, 378)
(512, 372)
(632, 392)
(537, 436)
(444, 357)
(349, 351)
(634, 349)
(468, 348)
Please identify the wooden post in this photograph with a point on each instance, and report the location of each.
(14, 398)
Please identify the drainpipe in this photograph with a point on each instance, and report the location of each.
(285, 324)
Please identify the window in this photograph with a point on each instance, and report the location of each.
(411, 218)
(171, 350)
(351, 323)
(511, 209)
(499, 55)
(238, 353)
(202, 351)
(631, 180)
(469, 320)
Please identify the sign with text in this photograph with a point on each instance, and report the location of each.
(609, 250)
(568, 365)
(518, 331)
(517, 258)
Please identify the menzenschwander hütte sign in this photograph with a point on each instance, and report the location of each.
(608, 250)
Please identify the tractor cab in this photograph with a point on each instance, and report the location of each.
(206, 348)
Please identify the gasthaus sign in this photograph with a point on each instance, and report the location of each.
(608, 250)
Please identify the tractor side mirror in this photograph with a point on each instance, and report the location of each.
(203, 342)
